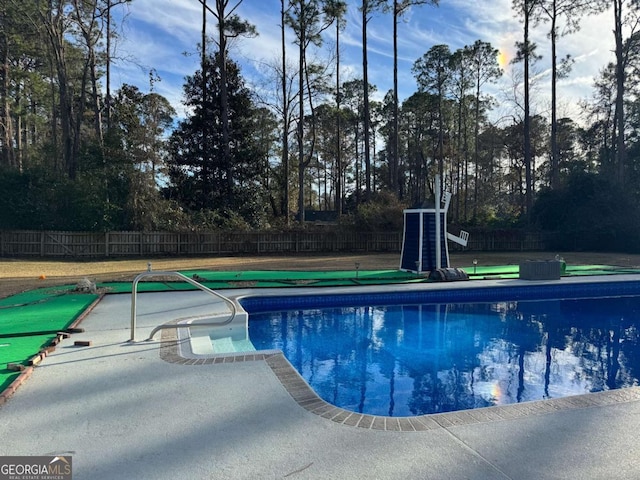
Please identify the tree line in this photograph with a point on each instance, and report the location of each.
(76, 154)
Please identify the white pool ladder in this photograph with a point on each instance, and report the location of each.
(151, 273)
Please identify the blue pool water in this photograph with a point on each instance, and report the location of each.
(419, 358)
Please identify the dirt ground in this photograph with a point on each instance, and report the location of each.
(17, 275)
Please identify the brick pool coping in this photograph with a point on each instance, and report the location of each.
(307, 398)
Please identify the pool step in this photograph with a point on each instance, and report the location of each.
(244, 346)
(227, 345)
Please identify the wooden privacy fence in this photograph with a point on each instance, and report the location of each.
(128, 244)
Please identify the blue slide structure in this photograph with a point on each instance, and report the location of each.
(419, 244)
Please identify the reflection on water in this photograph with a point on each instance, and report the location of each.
(418, 359)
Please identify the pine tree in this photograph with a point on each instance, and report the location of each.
(198, 167)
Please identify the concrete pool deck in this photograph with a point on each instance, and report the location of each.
(123, 412)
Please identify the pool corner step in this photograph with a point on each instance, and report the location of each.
(223, 345)
(228, 345)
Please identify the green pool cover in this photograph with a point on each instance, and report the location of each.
(288, 278)
(30, 321)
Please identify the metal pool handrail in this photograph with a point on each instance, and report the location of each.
(134, 295)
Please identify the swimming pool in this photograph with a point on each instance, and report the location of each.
(419, 352)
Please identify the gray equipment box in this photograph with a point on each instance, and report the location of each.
(541, 270)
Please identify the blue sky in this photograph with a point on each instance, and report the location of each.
(164, 34)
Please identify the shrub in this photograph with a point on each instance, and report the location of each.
(382, 213)
(590, 213)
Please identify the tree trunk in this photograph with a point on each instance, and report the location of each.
(285, 122)
(527, 119)
(338, 176)
(393, 164)
(476, 147)
(367, 120)
(300, 134)
(107, 99)
(6, 121)
(56, 32)
(95, 97)
(621, 152)
(224, 95)
(206, 187)
(441, 133)
(19, 144)
(555, 163)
